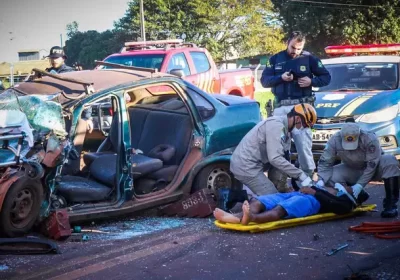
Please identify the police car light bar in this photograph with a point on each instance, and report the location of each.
(152, 43)
(349, 49)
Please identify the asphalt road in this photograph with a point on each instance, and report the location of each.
(173, 248)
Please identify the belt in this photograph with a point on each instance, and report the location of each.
(288, 102)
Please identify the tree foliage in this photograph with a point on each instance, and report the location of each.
(223, 27)
(86, 47)
(360, 22)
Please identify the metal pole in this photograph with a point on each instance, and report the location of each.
(256, 80)
(142, 30)
(12, 74)
(61, 40)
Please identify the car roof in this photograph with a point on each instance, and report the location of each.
(101, 79)
(362, 59)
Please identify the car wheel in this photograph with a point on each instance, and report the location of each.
(21, 207)
(214, 177)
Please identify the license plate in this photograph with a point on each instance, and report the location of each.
(323, 135)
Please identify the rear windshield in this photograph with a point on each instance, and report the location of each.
(147, 60)
(362, 76)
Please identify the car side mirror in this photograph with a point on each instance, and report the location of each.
(177, 72)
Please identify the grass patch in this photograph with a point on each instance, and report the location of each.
(263, 97)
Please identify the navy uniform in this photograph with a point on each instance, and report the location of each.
(288, 94)
(62, 69)
(362, 161)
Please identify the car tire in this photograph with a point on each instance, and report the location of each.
(21, 207)
(215, 176)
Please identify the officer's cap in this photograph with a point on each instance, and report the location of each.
(350, 135)
(56, 52)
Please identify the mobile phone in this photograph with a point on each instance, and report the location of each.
(290, 72)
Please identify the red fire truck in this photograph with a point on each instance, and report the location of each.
(192, 63)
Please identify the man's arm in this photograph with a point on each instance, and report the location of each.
(373, 157)
(327, 160)
(322, 77)
(268, 77)
(276, 154)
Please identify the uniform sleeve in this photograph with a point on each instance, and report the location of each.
(276, 153)
(327, 161)
(373, 156)
(268, 77)
(322, 77)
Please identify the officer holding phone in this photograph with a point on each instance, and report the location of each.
(291, 74)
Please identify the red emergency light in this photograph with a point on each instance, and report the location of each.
(153, 43)
(354, 49)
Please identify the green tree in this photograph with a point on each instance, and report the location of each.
(86, 47)
(72, 29)
(361, 22)
(229, 27)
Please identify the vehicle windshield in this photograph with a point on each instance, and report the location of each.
(142, 60)
(362, 76)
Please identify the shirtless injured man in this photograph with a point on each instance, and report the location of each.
(306, 202)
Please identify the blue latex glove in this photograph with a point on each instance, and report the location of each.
(342, 191)
(320, 184)
(304, 180)
(357, 188)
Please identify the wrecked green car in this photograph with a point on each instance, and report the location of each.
(156, 140)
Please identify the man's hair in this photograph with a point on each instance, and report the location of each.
(297, 36)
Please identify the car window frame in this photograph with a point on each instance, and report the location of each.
(195, 64)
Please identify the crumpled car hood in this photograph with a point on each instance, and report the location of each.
(43, 116)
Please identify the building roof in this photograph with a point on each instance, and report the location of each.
(29, 50)
(23, 67)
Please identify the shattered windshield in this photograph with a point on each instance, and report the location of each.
(362, 76)
(142, 60)
(42, 114)
(35, 116)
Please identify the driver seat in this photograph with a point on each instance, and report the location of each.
(109, 145)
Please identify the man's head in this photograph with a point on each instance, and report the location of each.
(350, 134)
(295, 44)
(302, 115)
(57, 57)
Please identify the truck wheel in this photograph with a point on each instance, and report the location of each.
(236, 93)
(21, 207)
(215, 176)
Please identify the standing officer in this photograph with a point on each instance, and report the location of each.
(57, 60)
(362, 161)
(58, 66)
(266, 145)
(291, 74)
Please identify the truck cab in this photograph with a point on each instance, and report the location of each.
(188, 61)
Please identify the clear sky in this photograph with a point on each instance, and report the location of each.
(37, 24)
